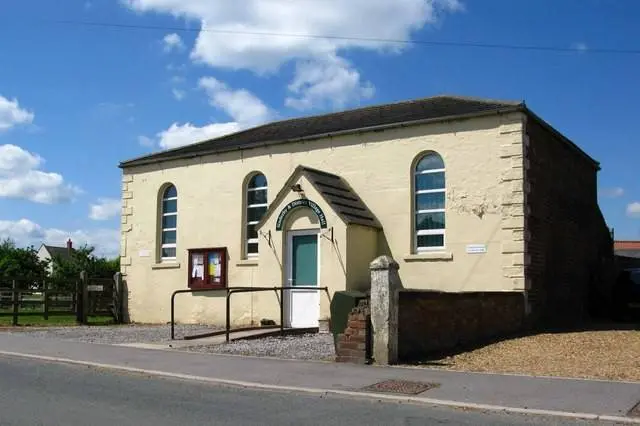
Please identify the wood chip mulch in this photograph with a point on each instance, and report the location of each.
(597, 354)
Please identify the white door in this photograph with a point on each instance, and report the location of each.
(302, 306)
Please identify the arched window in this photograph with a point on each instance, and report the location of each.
(429, 203)
(256, 208)
(169, 225)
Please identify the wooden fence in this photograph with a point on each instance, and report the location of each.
(92, 297)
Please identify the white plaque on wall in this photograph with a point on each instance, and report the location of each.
(476, 248)
(144, 253)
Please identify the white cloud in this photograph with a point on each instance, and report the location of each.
(184, 134)
(178, 94)
(633, 210)
(145, 141)
(105, 208)
(333, 83)
(614, 192)
(241, 105)
(25, 233)
(233, 34)
(173, 42)
(11, 114)
(176, 68)
(20, 178)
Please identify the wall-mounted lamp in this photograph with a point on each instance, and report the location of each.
(298, 190)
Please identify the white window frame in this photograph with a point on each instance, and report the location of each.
(416, 212)
(248, 240)
(163, 229)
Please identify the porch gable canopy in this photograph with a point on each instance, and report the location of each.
(335, 192)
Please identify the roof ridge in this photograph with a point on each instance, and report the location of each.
(357, 110)
(480, 99)
(322, 172)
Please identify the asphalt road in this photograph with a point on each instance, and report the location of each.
(40, 393)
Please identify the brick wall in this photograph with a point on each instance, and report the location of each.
(354, 345)
(568, 246)
(431, 322)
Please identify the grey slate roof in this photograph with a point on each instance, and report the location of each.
(335, 191)
(57, 251)
(377, 117)
(437, 107)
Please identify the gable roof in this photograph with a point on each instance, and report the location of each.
(377, 117)
(371, 117)
(335, 191)
(57, 251)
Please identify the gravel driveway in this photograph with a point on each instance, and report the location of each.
(118, 334)
(316, 346)
(610, 354)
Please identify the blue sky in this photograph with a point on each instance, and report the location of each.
(75, 99)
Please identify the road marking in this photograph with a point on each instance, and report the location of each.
(316, 391)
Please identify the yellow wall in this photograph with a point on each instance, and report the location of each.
(485, 205)
(362, 248)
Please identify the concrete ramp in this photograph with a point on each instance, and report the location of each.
(219, 338)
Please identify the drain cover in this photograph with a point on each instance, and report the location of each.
(635, 411)
(403, 387)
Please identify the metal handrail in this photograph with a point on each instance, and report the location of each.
(232, 290)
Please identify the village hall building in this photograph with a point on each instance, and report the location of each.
(467, 195)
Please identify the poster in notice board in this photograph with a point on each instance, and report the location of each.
(207, 268)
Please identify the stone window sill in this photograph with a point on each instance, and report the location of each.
(247, 262)
(167, 265)
(429, 257)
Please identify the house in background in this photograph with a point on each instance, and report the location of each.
(467, 195)
(48, 253)
(627, 254)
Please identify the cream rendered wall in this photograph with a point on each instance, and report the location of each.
(272, 267)
(44, 256)
(362, 248)
(485, 205)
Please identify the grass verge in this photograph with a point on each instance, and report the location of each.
(56, 320)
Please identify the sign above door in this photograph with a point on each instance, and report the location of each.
(303, 202)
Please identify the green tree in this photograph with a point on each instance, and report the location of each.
(21, 265)
(66, 269)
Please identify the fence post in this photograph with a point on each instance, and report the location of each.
(385, 286)
(84, 313)
(76, 302)
(120, 297)
(16, 303)
(45, 293)
(281, 311)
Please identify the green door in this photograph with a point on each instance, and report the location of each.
(304, 268)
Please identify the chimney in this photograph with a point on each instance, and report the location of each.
(69, 245)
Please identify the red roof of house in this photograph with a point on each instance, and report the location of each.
(626, 245)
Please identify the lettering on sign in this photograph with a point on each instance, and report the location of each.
(95, 287)
(303, 202)
(476, 248)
